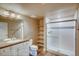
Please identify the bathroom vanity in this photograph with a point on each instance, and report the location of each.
(14, 48)
(12, 42)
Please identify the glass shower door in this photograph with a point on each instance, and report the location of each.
(61, 37)
(67, 38)
(52, 37)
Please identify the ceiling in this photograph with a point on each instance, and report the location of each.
(35, 9)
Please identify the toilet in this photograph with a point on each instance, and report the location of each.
(32, 48)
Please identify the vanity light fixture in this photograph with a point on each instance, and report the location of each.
(12, 15)
(9, 14)
(5, 14)
(18, 16)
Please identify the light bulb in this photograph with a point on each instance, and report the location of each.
(18, 16)
(5, 13)
(13, 15)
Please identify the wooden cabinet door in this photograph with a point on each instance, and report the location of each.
(26, 49)
(23, 49)
(20, 50)
(1, 52)
(14, 50)
(5, 51)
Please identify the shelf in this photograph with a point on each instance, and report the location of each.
(40, 26)
(41, 32)
(40, 40)
(40, 35)
(40, 45)
(40, 50)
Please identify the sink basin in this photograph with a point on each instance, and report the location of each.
(8, 39)
(13, 41)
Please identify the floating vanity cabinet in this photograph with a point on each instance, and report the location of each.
(14, 50)
(20, 49)
(23, 49)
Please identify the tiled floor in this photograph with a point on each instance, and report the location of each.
(46, 54)
(49, 54)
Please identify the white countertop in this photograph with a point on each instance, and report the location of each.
(11, 42)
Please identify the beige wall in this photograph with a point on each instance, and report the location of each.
(30, 29)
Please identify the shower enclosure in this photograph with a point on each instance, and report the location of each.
(61, 37)
(62, 32)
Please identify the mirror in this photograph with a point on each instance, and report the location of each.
(10, 29)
